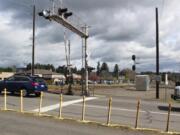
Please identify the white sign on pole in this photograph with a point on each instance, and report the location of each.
(166, 79)
(158, 78)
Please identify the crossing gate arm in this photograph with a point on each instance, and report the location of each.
(68, 25)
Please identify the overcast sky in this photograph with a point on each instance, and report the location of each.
(118, 29)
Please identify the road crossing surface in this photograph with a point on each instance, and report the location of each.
(153, 114)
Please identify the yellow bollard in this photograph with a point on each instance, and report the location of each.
(5, 99)
(21, 102)
(61, 89)
(93, 91)
(83, 109)
(40, 103)
(168, 118)
(109, 111)
(60, 106)
(137, 114)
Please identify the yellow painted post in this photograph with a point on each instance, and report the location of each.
(60, 106)
(168, 118)
(83, 109)
(109, 111)
(61, 89)
(5, 99)
(21, 102)
(40, 103)
(137, 114)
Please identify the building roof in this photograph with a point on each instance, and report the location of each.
(43, 71)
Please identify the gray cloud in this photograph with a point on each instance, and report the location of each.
(10, 54)
(51, 34)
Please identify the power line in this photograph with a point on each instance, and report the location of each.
(163, 6)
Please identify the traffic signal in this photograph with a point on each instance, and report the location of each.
(66, 15)
(40, 13)
(134, 57)
(133, 67)
(63, 12)
(45, 14)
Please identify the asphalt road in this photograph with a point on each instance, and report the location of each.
(19, 124)
(153, 114)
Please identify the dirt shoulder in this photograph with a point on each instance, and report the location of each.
(126, 91)
(20, 124)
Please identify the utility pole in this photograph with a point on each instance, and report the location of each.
(82, 69)
(86, 63)
(70, 92)
(157, 55)
(65, 44)
(53, 6)
(68, 53)
(33, 39)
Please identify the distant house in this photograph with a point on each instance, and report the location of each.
(76, 77)
(20, 70)
(94, 77)
(128, 74)
(47, 74)
(5, 75)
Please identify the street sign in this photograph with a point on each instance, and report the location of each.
(158, 78)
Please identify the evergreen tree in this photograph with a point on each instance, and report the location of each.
(7, 69)
(41, 66)
(74, 70)
(28, 67)
(116, 71)
(60, 69)
(104, 67)
(98, 68)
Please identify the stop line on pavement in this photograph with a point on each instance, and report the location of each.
(67, 103)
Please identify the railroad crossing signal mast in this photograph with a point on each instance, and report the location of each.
(61, 15)
(134, 60)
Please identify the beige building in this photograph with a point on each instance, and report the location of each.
(5, 75)
(48, 74)
(76, 76)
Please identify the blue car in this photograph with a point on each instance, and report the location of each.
(29, 85)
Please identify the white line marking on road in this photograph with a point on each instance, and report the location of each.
(128, 110)
(55, 106)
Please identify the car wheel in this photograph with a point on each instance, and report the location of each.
(38, 94)
(25, 93)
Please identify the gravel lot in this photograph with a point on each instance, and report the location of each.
(123, 91)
